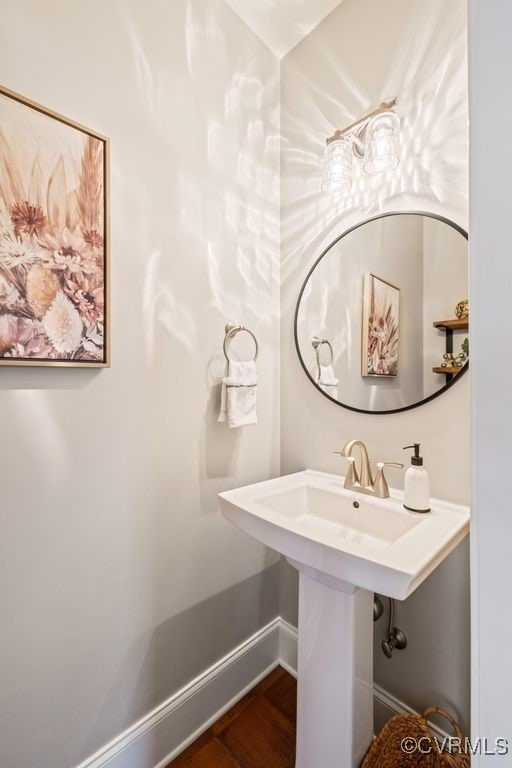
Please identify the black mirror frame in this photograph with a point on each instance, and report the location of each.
(440, 391)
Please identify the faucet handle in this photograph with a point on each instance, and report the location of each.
(351, 477)
(381, 484)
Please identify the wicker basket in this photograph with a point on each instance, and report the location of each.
(389, 749)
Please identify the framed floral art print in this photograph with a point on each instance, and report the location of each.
(54, 277)
(381, 327)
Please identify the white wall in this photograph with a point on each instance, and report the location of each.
(363, 52)
(120, 580)
(491, 278)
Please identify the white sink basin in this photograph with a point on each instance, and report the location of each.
(346, 546)
(351, 538)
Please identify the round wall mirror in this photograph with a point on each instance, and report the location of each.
(382, 319)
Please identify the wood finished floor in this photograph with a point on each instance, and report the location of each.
(258, 732)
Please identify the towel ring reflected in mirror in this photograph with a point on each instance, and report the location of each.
(231, 330)
(317, 345)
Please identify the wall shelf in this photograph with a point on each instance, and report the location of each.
(449, 326)
(449, 370)
(453, 325)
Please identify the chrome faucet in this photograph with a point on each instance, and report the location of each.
(362, 481)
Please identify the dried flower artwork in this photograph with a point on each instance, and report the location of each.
(381, 327)
(52, 238)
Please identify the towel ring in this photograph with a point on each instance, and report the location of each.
(317, 343)
(231, 329)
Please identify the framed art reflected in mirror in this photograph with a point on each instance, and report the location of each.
(381, 327)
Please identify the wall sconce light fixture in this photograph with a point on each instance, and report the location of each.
(373, 139)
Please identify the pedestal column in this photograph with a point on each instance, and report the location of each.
(335, 675)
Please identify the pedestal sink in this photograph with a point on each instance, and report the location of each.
(346, 546)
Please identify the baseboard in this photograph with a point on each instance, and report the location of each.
(288, 640)
(162, 734)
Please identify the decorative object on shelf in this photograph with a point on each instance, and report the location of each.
(381, 327)
(462, 309)
(465, 347)
(451, 360)
(373, 139)
(53, 238)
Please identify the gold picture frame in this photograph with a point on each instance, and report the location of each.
(54, 238)
(381, 327)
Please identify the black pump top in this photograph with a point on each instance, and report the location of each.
(416, 460)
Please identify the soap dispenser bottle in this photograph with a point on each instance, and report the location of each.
(416, 483)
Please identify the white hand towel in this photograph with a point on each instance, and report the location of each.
(238, 395)
(326, 380)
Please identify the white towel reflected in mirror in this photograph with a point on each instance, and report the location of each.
(327, 381)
